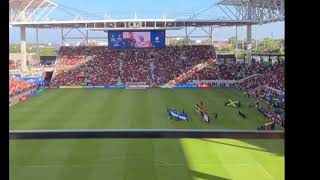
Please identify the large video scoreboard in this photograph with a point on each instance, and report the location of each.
(136, 39)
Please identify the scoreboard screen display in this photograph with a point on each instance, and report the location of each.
(136, 39)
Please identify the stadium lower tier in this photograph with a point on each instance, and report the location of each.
(145, 159)
(171, 65)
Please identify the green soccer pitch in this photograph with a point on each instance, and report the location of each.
(139, 159)
(131, 109)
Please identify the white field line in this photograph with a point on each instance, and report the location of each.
(105, 162)
(265, 170)
(109, 164)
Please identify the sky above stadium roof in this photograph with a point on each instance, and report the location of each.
(178, 9)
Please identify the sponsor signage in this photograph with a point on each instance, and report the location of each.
(71, 87)
(189, 85)
(36, 80)
(16, 76)
(118, 86)
(138, 86)
(204, 85)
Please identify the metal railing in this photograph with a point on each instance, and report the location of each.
(144, 133)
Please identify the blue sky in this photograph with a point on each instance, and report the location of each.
(179, 9)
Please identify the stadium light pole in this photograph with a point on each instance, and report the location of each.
(211, 35)
(186, 36)
(23, 47)
(236, 42)
(249, 43)
(37, 41)
(242, 45)
(87, 37)
(249, 33)
(62, 39)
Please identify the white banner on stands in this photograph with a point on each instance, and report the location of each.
(137, 85)
(217, 82)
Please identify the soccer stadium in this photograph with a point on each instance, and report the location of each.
(179, 90)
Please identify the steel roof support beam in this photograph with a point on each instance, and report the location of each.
(187, 34)
(85, 35)
(192, 31)
(205, 30)
(231, 12)
(42, 12)
(22, 13)
(64, 35)
(34, 11)
(225, 12)
(13, 14)
(80, 32)
(50, 11)
(263, 11)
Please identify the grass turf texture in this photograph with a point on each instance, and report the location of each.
(146, 159)
(131, 109)
(139, 159)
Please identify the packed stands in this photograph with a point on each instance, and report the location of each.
(276, 115)
(272, 77)
(269, 85)
(13, 67)
(18, 86)
(100, 65)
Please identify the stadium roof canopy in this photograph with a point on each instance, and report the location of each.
(36, 13)
(30, 10)
(273, 4)
(133, 24)
(32, 4)
(264, 11)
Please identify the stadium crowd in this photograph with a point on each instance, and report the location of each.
(18, 86)
(13, 67)
(176, 64)
(273, 78)
(100, 65)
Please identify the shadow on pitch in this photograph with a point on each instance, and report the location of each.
(201, 175)
(259, 143)
(273, 146)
